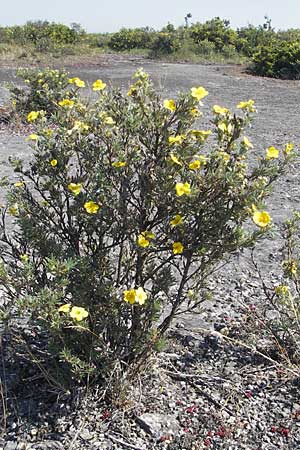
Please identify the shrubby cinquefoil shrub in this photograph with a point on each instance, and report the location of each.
(125, 210)
(43, 91)
(280, 312)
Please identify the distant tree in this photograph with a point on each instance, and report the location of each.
(77, 28)
(267, 23)
(186, 19)
(169, 28)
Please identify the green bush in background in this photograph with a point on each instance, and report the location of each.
(278, 60)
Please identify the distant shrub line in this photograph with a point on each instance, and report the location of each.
(272, 54)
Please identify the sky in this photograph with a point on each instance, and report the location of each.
(111, 15)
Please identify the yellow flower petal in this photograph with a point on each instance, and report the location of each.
(142, 241)
(148, 234)
(175, 159)
(75, 188)
(177, 220)
(91, 207)
(195, 165)
(77, 81)
(129, 296)
(33, 137)
(272, 153)
(170, 104)
(140, 296)
(66, 103)
(53, 162)
(77, 313)
(177, 248)
(98, 85)
(177, 139)
(183, 189)
(33, 115)
(288, 148)
(118, 164)
(246, 142)
(199, 93)
(65, 308)
(261, 218)
(248, 106)
(220, 110)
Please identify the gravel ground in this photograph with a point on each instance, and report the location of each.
(205, 390)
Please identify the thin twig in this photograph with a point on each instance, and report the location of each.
(249, 347)
(210, 398)
(123, 443)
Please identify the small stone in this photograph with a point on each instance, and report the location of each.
(86, 435)
(158, 425)
(10, 445)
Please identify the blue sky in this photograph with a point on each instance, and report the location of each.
(111, 15)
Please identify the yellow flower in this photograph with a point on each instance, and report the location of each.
(142, 241)
(33, 137)
(288, 148)
(177, 139)
(249, 106)
(131, 91)
(282, 290)
(195, 165)
(177, 248)
(14, 209)
(19, 184)
(177, 220)
(224, 155)
(66, 103)
(77, 313)
(109, 121)
(53, 162)
(65, 308)
(129, 296)
(261, 218)
(140, 73)
(49, 132)
(200, 134)
(225, 128)
(80, 126)
(33, 115)
(198, 93)
(135, 296)
(91, 207)
(183, 189)
(98, 85)
(77, 81)
(195, 112)
(170, 104)
(75, 188)
(119, 164)
(144, 238)
(290, 267)
(272, 153)
(148, 234)
(24, 258)
(175, 159)
(140, 296)
(220, 110)
(246, 142)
